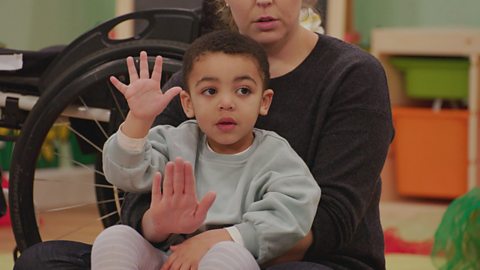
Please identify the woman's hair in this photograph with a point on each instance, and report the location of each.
(211, 20)
(230, 43)
(222, 11)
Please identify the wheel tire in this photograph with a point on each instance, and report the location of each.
(90, 78)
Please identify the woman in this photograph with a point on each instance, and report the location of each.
(332, 105)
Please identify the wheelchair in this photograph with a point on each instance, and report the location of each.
(72, 90)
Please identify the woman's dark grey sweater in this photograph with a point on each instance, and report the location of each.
(334, 110)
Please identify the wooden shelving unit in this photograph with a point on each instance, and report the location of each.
(125, 29)
(339, 18)
(454, 42)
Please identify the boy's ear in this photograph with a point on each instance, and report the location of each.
(266, 101)
(187, 104)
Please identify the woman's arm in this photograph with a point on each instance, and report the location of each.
(353, 145)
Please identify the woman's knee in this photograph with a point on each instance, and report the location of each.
(299, 266)
(55, 255)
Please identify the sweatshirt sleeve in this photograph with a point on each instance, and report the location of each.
(288, 199)
(133, 171)
(136, 204)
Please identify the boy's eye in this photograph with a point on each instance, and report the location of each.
(209, 92)
(243, 91)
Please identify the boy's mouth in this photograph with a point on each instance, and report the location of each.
(226, 124)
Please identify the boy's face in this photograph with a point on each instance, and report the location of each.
(226, 96)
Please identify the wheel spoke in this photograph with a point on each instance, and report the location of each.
(78, 163)
(95, 120)
(115, 99)
(85, 139)
(82, 226)
(80, 205)
(40, 180)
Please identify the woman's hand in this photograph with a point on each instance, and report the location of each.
(188, 254)
(176, 209)
(143, 94)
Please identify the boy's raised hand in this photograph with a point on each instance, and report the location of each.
(143, 94)
(176, 208)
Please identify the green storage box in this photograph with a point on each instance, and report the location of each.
(50, 155)
(6, 152)
(434, 77)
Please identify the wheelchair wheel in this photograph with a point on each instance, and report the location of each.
(90, 109)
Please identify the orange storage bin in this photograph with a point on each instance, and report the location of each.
(431, 152)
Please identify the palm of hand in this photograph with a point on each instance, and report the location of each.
(143, 94)
(143, 97)
(179, 213)
(176, 209)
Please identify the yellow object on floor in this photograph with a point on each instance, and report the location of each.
(408, 262)
(6, 261)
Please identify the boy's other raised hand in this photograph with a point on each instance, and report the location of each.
(175, 208)
(143, 94)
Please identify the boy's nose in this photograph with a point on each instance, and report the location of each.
(226, 103)
(226, 106)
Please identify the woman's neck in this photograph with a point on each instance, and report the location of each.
(287, 55)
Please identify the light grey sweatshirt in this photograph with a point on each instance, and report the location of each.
(266, 192)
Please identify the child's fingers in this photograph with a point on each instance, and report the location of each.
(169, 95)
(204, 205)
(132, 71)
(168, 179)
(179, 177)
(157, 69)
(144, 72)
(189, 179)
(118, 85)
(169, 263)
(157, 187)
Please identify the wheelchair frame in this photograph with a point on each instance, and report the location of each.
(75, 88)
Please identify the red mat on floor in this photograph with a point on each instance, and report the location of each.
(395, 244)
(5, 220)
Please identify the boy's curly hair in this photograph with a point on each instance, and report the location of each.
(228, 42)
